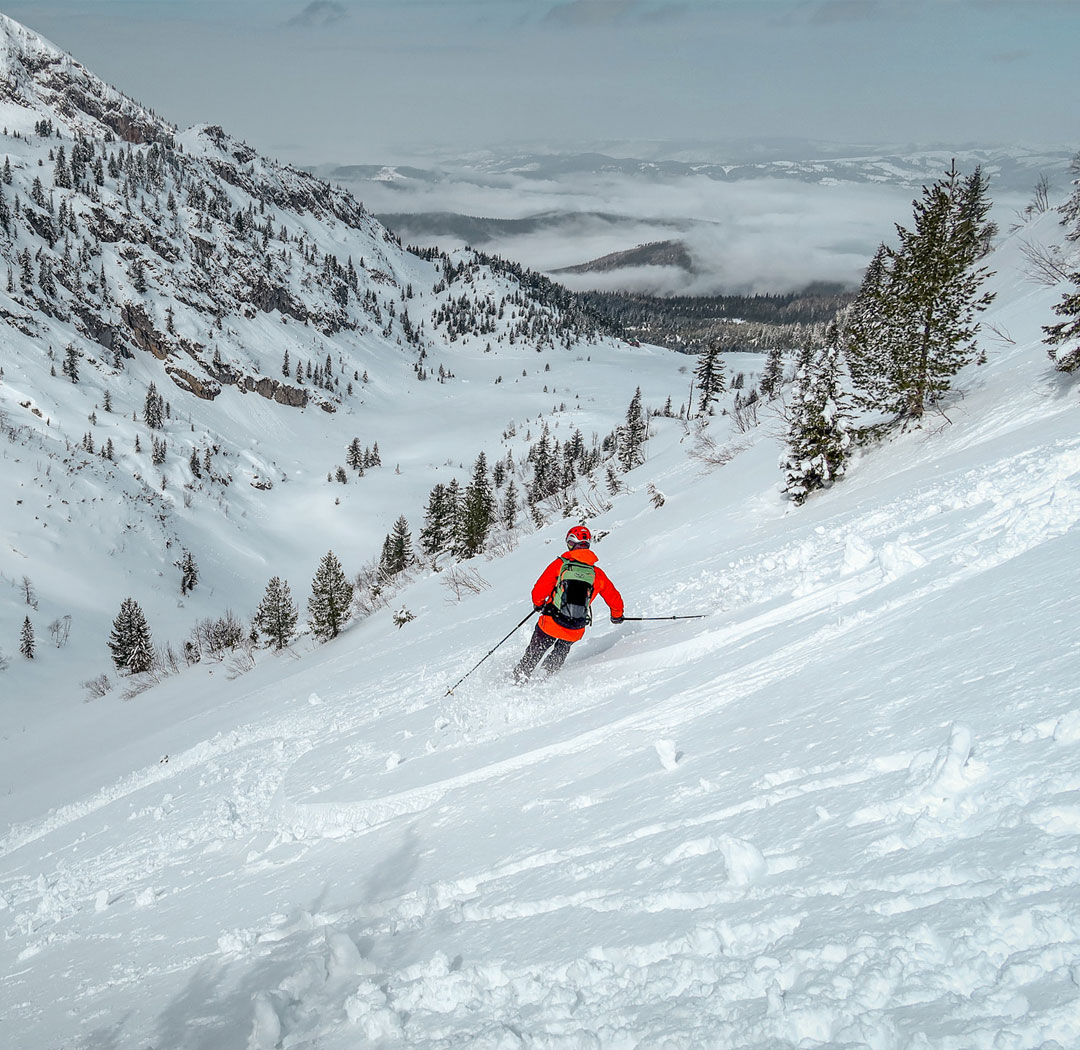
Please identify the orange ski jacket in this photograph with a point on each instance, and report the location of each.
(544, 589)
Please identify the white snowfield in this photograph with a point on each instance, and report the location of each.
(841, 811)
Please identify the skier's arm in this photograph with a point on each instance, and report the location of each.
(609, 592)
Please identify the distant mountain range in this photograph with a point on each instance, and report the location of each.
(1010, 168)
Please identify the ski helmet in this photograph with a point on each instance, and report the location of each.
(578, 536)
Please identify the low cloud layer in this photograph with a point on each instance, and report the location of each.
(767, 235)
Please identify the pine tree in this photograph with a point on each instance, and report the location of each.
(1063, 338)
(545, 479)
(331, 598)
(154, 408)
(819, 438)
(71, 362)
(354, 455)
(129, 641)
(917, 327)
(477, 511)
(867, 332)
(26, 639)
(508, 514)
(138, 277)
(277, 614)
(397, 553)
(1059, 336)
(189, 573)
(772, 375)
(632, 434)
(438, 529)
(710, 379)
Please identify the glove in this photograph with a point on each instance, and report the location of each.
(616, 619)
(538, 608)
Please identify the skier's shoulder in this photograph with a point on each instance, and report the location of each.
(582, 554)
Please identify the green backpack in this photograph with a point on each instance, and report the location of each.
(570, 602)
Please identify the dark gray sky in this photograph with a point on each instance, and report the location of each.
(362, 81)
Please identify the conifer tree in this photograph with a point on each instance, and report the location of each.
(129, 641)
(1063, 338)
(632, 434)
(354, 455)
(545, 478)
(153, 408)
(916, 327)
(710, 379)
(189, 573)
(26, 639)
(508, 514)
(71, 362)
(819, 438)
(477, 511)
(439, 525)
(397, 553)
(772, 375)
(331, 598)
(277, 613)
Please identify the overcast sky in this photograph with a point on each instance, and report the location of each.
(364, 81)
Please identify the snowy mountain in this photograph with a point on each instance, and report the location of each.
(841, 810)
(276, 322)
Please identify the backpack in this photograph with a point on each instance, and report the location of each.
(570, 602)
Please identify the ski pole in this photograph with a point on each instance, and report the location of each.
(698, 617)
(488, 653)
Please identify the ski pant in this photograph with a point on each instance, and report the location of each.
(539, 644)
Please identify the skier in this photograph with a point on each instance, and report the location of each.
(563, 596)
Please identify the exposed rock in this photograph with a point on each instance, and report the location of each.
(274, 390)
(205, 389)
(143, 333)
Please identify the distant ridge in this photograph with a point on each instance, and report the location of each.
(655, 253)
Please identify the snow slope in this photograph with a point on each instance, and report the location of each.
(843, 810)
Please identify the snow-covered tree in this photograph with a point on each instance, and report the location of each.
(277, 613)
(913, 327)
(397, 552)
(153, 408)
(331, 598)
(1064, 337)
(772, 376)
(26, 639)
(508, 513)
(189, 573)
(71, 362)
(129, 641)
(819, 436)
(354, 455)
(477, 511)
(439, 525)
(632, 434)
(711, 382)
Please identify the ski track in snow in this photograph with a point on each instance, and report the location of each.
(841, 811)
(845, 902)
